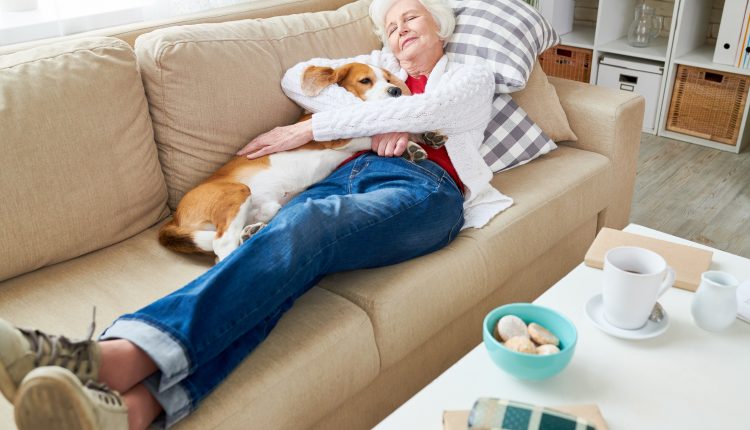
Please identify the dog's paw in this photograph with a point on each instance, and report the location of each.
(414, 152)
(434, 139)
(250, 230)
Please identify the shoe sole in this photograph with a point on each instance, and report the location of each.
(7, 386)
(53, 400)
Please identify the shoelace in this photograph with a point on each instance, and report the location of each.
(105, 394)
(60, 347)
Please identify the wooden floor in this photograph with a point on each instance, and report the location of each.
(694, 192)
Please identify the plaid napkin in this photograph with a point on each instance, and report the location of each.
(496, 414)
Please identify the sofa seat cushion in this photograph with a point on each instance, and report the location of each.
(79, 169)
(411, 301)
(323, 341)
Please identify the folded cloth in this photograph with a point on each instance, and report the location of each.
(527, 417)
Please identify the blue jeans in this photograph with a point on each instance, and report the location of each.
(373, 211)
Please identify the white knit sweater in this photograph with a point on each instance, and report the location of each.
(457, 102)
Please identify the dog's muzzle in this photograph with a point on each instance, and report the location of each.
(394, 91)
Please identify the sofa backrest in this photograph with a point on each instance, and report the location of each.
(213, 87)
(78, 169)
(244, 10)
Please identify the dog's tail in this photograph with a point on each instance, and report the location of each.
(179, 239)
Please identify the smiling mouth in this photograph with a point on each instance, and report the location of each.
(408, 41)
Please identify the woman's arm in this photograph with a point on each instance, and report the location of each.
(278, 139)
(333, 97)
(295, 135)
(461, 102)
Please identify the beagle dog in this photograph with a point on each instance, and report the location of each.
(243, 195)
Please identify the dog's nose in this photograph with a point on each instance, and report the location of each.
(394, 92)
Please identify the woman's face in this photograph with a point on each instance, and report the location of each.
(411, 30)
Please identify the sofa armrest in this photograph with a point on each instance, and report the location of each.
(608, 122)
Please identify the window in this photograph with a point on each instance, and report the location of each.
(52, 18)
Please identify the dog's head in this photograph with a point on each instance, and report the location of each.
(364, 81)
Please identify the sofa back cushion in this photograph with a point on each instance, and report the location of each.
(214, 87)
(237, 11)
(540, 101)
(78, 169)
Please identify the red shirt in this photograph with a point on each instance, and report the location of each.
(439, 156)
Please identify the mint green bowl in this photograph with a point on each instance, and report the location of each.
(529, 366)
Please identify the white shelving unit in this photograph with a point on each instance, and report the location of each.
(686, 44)
(690, 49)
(609, 36)
(580, 37)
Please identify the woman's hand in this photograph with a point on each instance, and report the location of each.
(390, 144)
(279, 139)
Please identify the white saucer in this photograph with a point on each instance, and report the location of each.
(595, 312)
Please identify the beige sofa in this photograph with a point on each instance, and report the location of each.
(88, 173)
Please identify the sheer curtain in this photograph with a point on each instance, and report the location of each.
(51, 18)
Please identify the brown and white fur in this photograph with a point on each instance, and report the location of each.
(243, 195)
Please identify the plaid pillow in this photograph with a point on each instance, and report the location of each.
(509, 35)
(512, 138)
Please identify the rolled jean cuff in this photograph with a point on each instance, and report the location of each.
(167, 353)
(175, 401)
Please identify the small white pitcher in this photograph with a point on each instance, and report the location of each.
(714, 306)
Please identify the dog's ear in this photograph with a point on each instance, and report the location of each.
(315, 78)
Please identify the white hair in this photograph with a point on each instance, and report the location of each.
(440, 10)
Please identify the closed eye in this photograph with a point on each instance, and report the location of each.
(365, 81)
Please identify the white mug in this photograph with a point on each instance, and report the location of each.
(634, 278)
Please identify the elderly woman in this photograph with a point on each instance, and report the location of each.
(161, 361)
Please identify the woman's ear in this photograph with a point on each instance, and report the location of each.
(315, 78)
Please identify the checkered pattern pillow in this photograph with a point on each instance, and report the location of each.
(510, 35)
(512, 138)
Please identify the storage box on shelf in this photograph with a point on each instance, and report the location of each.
(707, 104)
(634, 75)
(691, 48)
(567, 62)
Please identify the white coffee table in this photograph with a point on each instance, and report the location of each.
(686, 378)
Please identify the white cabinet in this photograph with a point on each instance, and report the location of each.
(608, 35)
(688, 37)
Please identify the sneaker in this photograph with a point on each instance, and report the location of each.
(54, 398)
(22, 350)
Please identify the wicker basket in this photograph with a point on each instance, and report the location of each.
(707, 104)
(567, 62)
